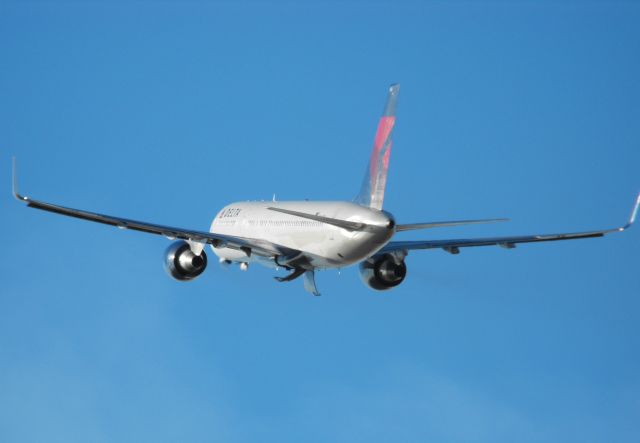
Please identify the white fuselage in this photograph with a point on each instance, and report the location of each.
(321, 245)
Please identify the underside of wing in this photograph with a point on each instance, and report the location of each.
(453, 246)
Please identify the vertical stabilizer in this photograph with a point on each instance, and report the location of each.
(375, 179)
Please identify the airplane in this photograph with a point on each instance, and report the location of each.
(306, 236)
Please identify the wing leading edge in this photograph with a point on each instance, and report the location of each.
(246, 245)
(453, 246)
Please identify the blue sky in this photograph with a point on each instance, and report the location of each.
(166, 111)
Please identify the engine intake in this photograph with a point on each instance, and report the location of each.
(383, 272)
(181, 263)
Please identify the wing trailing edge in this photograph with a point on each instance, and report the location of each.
(247, 245)
(444, 224)
(453, 246)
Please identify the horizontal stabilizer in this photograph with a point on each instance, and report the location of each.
(344, 224)
(444, 224)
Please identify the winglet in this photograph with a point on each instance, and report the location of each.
(634, 213)
(16, 194)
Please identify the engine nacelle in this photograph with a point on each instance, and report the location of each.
(181, 263)
(383, 272)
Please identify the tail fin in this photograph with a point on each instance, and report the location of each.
(375, 179)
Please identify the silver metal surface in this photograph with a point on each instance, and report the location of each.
(443, 224)
(344, 224)
(310, 283)
(452, 246)
(256, 246)
(181, 263)
(383, 272)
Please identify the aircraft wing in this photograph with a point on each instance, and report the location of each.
(446, 224)
(453, 246)
(246, 245)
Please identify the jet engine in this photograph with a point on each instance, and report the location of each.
(383, 272)
(181, 263)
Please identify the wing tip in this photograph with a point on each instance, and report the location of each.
(14, 177)
(634, 211)
(392, 98)
(633, 215)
